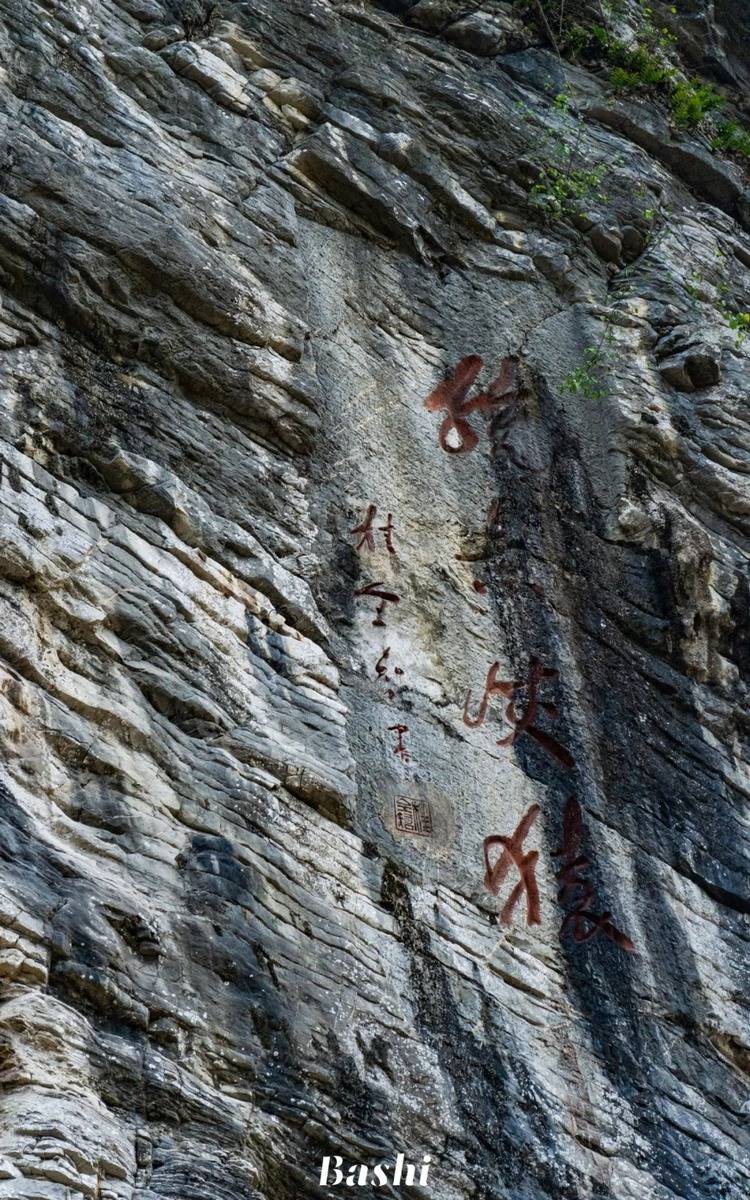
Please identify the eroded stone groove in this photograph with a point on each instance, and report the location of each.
(242, 919)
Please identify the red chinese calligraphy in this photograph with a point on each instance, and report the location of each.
(512, 855)
(400, 747)
(365, 528)
(382, 668)
(574, 888)
(385, 597)
(524, 722)
(491, 688)
(453, 395)
(387, 529)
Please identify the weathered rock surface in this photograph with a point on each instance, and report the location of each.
(239, 246)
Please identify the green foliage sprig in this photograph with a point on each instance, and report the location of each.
(588, 378)
(691, 101)
(732, 138)
(643, 66)
(561, 189)
(740, 323)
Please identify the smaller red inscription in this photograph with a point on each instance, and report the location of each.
(400, 747)
(381, 671)
(366, 530)
(384, 596)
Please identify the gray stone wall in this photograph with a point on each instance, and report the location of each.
(244, 919)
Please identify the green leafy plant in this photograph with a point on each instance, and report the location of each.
(641, 65)
(650, 30)
(696, 289)
(736, 319)
(612, 8)
(732, 138)
(691, 102)
(561, 189)
(637, 69)
(562, 181)
(740, 323)
(587, 378)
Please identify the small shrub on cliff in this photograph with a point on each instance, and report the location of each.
(732, 138)
(691, 102)
(561, 189)
(637, 68)
(740, 323)
(587, 379)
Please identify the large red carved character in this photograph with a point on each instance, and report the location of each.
(512, 854)
(584, 924)
(453, 395)
(524, 722)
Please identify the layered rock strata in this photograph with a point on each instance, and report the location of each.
(244, 919)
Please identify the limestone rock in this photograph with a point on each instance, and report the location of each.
(607, 243)
(486, 33)
(374, 457)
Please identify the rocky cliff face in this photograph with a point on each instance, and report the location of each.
(282, 644)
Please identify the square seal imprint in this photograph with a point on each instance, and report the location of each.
(413, 811)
